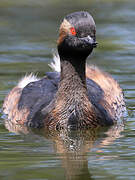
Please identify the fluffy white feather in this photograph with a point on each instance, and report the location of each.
(55, 64)
(26, 80)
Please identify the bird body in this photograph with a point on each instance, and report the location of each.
(78, 96)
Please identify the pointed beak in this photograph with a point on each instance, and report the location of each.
(90, 40)
(95, 44)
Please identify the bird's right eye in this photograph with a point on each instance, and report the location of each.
(73, 31)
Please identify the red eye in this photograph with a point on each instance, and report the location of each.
(72, 30)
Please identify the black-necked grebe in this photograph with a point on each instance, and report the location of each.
(78, 96)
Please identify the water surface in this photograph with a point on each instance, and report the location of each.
(28, 33)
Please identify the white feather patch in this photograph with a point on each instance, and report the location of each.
(55, 64)
(26, 80)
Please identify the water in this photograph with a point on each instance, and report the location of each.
(28, 33)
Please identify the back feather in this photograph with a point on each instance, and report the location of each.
(26, 80)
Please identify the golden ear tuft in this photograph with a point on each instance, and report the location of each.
(64, 30)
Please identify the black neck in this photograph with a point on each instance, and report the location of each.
(73, 68)
(73, 78)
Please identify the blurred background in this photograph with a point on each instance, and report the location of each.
(28, 33)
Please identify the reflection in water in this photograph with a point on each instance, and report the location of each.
(72, 146)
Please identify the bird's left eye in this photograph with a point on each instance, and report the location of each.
(73, 31)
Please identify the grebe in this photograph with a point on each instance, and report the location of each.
(79, 96)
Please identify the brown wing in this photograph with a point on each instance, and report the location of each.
(10, 106)
(22, 104)
(113, 100)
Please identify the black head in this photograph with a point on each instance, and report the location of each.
(77, 34)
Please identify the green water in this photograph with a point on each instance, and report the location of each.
(28, 33)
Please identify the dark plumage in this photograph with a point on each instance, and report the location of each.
(68, 99)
